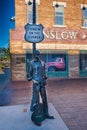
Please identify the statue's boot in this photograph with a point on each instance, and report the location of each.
(49, 116)
(38, 124)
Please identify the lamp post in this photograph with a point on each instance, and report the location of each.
(34, 21)
(12, 19)
(33, 18)
(34, 33)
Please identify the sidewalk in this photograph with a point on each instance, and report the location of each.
(68, 96)
(16, 118)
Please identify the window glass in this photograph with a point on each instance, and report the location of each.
(20, 60)
(83, 62)
(84, 17)
(53, 62)
(59, 15)
(30, 13)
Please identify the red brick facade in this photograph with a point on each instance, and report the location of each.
(71, 37)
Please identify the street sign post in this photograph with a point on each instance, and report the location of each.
(34, 33)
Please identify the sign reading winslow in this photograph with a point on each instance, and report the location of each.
(60, 35)
(57, 34)
(34, 33)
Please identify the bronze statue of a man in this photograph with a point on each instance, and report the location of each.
(38, 76)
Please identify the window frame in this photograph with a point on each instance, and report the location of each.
(84, 19)
(83, 61)
(83, 6)
(60, 4)
(56, 16)
(30, 11)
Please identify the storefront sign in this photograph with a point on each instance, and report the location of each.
(64, 35)
(34, 33)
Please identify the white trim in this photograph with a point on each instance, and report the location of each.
(61, 26)
(84, 27)
(24, 46)
(83, 5)
(60, 46)
(37, 1)
(59, 3)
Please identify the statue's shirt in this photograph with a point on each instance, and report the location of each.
(37, 70)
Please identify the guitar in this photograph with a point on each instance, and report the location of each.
(38, 114)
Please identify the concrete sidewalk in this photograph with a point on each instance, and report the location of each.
(68, 96)
(15, 118)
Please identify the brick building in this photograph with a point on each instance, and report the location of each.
(65, 32)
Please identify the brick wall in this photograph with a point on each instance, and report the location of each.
(73, 63)
(73, 13)
(18, 67)
(20, 12)
(73, 21)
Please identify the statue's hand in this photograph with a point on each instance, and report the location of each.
(29, 79)
(45, 77)
(35, 81)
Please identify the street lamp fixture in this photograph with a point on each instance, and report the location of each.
(83, 8)
(12, 19)
(56, 5)
(29, 3)
(34, 17)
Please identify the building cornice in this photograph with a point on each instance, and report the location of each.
(37, 1)
(59, 3)
(83, 5)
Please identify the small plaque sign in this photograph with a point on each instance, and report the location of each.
(34, 33)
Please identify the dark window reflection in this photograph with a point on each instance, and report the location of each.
(83, 62)
(53, 62)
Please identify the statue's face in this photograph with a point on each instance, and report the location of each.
(37, 56)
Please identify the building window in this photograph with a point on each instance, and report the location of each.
(84, 17)
(59, 15)
(30, 13)
(20, 60)
(83, 62)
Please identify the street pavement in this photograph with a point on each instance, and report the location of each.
(4, 78)
(68, 96)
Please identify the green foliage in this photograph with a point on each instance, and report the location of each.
(0, 66)
(5, 54)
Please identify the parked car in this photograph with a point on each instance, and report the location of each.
(57, 64)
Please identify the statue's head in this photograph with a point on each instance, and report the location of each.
(37, 54)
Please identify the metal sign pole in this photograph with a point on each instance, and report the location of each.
(34, 33)
(34, 21)
(34, 11)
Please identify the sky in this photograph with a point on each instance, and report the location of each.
(7, 10)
